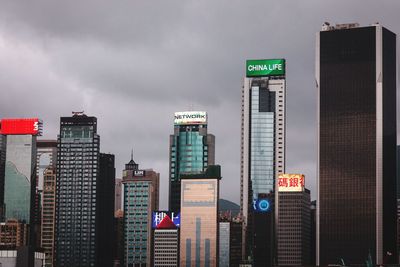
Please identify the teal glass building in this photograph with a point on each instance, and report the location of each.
(141, 197)
(191, 150)
(20, 173)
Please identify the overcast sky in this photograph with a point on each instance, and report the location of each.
(132, 64)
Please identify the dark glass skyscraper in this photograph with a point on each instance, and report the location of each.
(356, 80)
(191, 150)
(76, 192)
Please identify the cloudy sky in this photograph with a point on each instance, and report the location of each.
(132, 64)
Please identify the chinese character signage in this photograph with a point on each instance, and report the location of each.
(166, 220)
(291, 182)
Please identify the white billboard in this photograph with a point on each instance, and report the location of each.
(190, 117)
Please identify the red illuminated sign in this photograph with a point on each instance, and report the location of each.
(31, 126)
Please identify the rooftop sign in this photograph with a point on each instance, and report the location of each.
(31, 126)
(265, 67)
(291, 182)
(190, 117)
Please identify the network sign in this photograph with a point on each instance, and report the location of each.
(190, 117)
(261, 205)
(166, 219)
(265, 67)
(32, 126)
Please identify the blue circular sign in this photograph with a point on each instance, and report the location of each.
(263, 205)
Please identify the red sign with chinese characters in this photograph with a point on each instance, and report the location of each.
(291, 182)
(20, 126)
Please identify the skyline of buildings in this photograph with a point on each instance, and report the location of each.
(356, 205)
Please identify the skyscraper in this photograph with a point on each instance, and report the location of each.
(356, 82)
(48, 215)
(76, 191)
(46, 158)
(262, 150)
(199, 218)
(293, 232)
(118, 192)
(141, 196)
(20, 168)
(191, 150)
(105, 210)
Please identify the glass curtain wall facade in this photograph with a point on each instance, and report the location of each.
(191, 151)
(2, 174)
(262, 157)
(20, 175)
(76, 189)
(141, 196)
(356, 209)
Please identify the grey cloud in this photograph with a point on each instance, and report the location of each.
(133, 64)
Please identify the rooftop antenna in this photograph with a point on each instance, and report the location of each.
(132, 154)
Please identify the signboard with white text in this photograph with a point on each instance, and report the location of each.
(265, 67)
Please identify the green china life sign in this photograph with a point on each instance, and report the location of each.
(265, 67)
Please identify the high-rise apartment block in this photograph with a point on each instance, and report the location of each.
(199, 218)
(2, 173)
(356, 81)
(191, 150)
(141, 196)
(262, 152)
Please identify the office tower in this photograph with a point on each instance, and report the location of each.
(224, 234)
(76, 191)
(118, 239)
(262, 150)
(356, 82)
(20, 168)
(2, 173)
(46, 158)
(48, 214)
(141, 196)
(166, 244)
(293, 222)
(191, 150)
(313, 236)
(118, 192)
(199, 218)
(230, 241)
(105, 209)
(166, 238)
(13, 234)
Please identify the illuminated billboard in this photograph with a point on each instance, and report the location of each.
(291, 182)
(166, 220)
(190, 117)
(31, 126)
(261, 205)
(265, 67)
